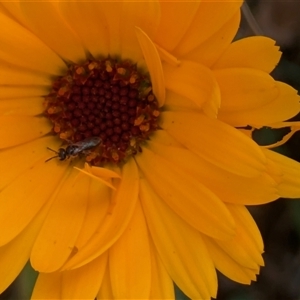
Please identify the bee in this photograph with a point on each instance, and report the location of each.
(75, 149)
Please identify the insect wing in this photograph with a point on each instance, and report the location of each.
(85, 144)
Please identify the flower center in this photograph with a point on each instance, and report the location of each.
(103, 110)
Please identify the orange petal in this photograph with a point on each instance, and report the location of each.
(105, 291)
(211, 49)
(99, 197)
(203, 135)
(227, 186)
(29, 107)
(173, 185)
(61, 228)
(210, 17)
(254, 87)
(172, 28)
(161, 283)
(122, 206)
(16, 130)
(33, 52)
(84, 282)
(180, 247)
(153, 64)
(14, 255)
(130, 262)
(228, 266)
(193, 81)
(258, 52)
(60, 38)
(27, 195)
(289, 185)
(25, 91)
(283, 106)
(47, 286)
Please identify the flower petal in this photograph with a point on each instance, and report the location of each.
(22, 199)
(189, 265)
(29, 107)
(171, 28)
(227, 186)
(33, 51)
(228, 266)
(282, 107)
(16, 130)
(210, 18)
(25, 91)
(194, 82)
(89, 21)
(153, 64)
(66, 44)
(84, 282)
(247, 246)
(173, 185)
(130, 262)
(245, 88)
(238, 153)
(161, 283)
(289, 185)
(105, 291)
(258, 52)
(212, 48)
(15, 254)
(61, 228)
(116, 220)
(47, 286)
(12, 75)
(99, 197)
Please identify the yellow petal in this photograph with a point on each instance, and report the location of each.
(26, 91)
(14, 75)
(210, 17)
(89, 21)
(227, 265)
(186, 196)
(13, 162)
(180, 247)
(258, 52)
(116, 220)
(61, 228)
(29, 107)
(130, 262)
(33, 53)
(204, 135)
(161, 283)
(211, 49)
(99, 196)
(22, 199)
(14, 255)
(16, 130)
(194, 82)
(289, 185)
(171, 28)
(105, 291)
(84, 282)
(227, 186)
(247, 246)
(282, 107)
(66, 44)
(47, 286)
(153, 64)
(245, 88)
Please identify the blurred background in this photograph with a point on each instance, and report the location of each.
(279, 222)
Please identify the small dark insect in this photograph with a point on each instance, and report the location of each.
(75, 148)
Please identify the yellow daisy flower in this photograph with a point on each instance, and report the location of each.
(146, 177)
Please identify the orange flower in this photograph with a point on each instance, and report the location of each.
(150, 184)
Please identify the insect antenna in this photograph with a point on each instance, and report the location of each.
(52, 156)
